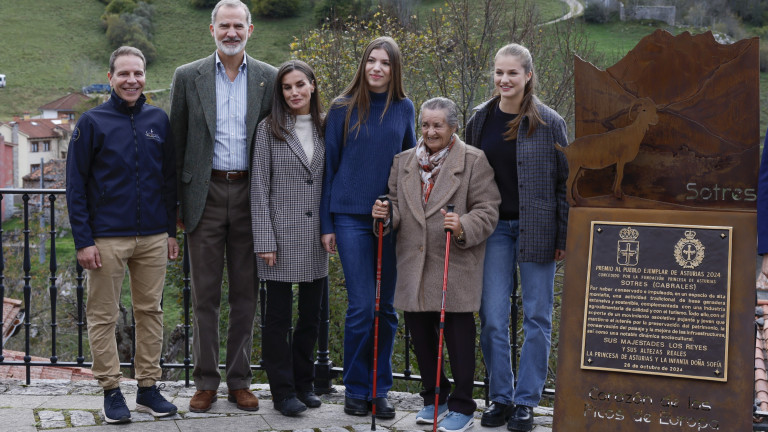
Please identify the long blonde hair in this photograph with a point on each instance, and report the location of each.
(357, 92)
(528, 106)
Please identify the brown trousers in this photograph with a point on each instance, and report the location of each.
(146, 258)
(223, 231)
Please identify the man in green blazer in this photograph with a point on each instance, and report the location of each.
(216, 103)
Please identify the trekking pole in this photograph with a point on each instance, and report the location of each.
(380, 230)
(448, 232)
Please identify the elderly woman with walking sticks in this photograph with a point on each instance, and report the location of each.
(423, 181)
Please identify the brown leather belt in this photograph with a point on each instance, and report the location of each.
(229, 175)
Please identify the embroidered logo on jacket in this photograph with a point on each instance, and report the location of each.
(153, 136)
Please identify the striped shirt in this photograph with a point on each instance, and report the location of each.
(230, 151)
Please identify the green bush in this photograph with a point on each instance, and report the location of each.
(596, 13)
(123, 32)
(276, 8)
(341, 9)
(120, 6)
(200, 4)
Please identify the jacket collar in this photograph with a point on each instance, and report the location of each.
(119, 104)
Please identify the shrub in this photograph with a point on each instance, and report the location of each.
(200, 4)
(120, 6)
(596, 13)
(341, 9)
(123, 32)
(276, 8)
(763, 58)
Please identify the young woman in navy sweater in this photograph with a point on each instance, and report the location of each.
(367, 125)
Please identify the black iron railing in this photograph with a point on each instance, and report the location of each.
(325, 371)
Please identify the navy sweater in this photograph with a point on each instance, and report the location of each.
(357, 172)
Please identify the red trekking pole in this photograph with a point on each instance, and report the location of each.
(448, 232)
(380, 230)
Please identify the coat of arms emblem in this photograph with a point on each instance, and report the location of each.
(628, 249)
(689, 252)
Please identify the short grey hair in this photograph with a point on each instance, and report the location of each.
(447, 106)
(124, 51)
(230, 3)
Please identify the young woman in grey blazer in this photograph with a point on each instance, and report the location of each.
(518, 133)
(286, 182)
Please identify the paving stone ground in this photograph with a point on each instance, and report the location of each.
(55, 405)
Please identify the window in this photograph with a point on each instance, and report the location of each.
(46, 146)
(34, 167)
(34, 147)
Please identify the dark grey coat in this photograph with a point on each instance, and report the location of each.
(541, 175)
(193, 124)
(285, 205)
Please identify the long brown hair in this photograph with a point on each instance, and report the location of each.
(528, 106)
(357, 92)
(280, 108)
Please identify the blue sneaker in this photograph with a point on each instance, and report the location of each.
(149, 400)
(427, 414)
(115, 410)
(455, 422)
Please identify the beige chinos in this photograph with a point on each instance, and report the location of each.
(146, 258)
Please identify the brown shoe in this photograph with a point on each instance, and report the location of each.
(244, 398)
(202, 400)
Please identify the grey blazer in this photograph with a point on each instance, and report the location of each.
(541, 175)
(285, 205)
(193, 125)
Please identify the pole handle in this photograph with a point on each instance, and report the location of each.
(384, 199)
(449, 209)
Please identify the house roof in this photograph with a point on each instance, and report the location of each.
(42, 128)
(54, 174)
(11, 309)
(66, 103)
(42, 372)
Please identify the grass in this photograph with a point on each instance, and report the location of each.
(59, 38)
(66, 53)
(552, 9)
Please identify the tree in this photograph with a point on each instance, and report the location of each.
(450, 52)
(276, 8)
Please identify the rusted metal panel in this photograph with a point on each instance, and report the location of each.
(669, 136)
(703, 152)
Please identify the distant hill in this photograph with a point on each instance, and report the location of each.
(52, 47)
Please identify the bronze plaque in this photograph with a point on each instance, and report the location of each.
(657, 299)
(613, 399)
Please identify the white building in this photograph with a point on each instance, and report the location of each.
(36, 139)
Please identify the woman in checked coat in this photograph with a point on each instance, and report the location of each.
(286, 182)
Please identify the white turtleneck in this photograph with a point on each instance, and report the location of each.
(304, 131)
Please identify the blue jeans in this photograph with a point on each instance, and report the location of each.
(357, 250)
(538, 296)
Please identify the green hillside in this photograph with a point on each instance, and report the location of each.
(62, 47)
